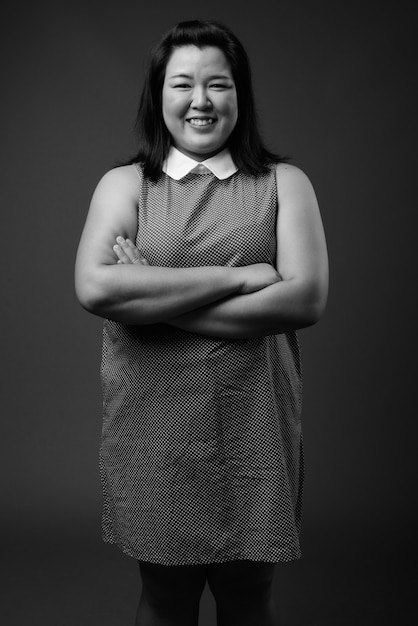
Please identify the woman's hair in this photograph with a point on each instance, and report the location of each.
(247, 149)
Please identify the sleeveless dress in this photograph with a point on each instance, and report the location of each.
(201, 453)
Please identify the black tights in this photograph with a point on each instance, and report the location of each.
(242, 591)
(170, 595)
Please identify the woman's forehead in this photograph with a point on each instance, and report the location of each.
(187, 60)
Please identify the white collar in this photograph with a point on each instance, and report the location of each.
(177, 164)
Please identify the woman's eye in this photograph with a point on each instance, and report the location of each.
(219, 86)
(182, 86)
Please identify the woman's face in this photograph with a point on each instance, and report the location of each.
(199, 99)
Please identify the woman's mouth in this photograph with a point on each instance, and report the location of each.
(200, 121)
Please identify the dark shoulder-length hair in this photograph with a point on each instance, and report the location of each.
(247, 149)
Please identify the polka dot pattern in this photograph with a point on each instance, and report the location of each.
(201, 455)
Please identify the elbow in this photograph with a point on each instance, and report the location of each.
(313, 314)
(313, 307)
(91, 293)
(89, 301)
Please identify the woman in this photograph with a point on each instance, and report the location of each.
(204, 255)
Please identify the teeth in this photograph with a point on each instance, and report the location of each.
(199, 122)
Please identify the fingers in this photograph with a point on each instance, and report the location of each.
(127, 252)
(122, 257)
(137, 256)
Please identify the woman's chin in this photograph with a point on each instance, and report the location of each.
(200, 151)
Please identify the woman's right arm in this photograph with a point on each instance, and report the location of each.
(137, 293)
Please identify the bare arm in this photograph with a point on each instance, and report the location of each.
(299, 299)
(138, 293)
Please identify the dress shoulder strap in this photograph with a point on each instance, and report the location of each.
(139, 168)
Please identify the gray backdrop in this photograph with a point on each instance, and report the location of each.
(335, 87)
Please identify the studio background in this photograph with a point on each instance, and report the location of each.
(335, 85)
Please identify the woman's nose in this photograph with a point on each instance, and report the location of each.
(200, 99)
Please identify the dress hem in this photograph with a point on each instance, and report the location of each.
(283, 558)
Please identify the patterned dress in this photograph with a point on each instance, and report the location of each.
(201, 453)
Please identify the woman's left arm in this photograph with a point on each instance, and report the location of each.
(299, 299)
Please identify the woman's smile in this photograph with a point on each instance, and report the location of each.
(199, 100)
(201, 121)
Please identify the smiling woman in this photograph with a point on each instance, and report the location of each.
(204, 255)
(200, 106)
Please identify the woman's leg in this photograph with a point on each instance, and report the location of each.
(243, 593)
(170, 595)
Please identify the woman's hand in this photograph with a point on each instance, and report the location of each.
(127, 252)
(257, 276)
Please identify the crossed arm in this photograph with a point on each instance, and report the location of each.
(113, 281)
